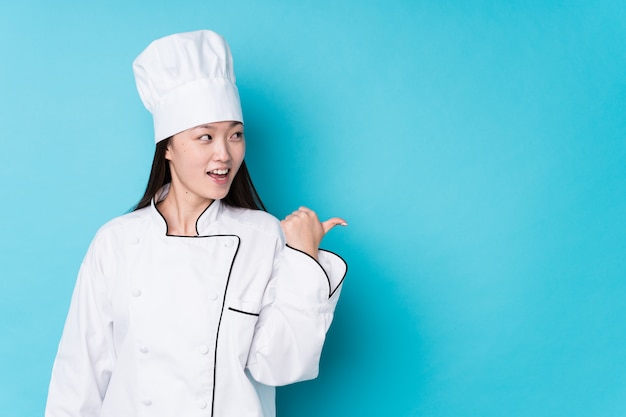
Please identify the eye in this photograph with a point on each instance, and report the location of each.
(237, 136)
(205, 137)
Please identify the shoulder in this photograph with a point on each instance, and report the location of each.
(114, 238)
(253, 220)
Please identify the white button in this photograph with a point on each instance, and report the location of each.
(213, 296)
(143, 349)
(134, 241)
(136, 292)
(202, 404)
(204, 349)
(146, 402)
(229, 243)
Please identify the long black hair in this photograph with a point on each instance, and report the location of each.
(241, 194)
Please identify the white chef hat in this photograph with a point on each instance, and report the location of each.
(186, 80)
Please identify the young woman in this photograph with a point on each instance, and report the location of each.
(198, 303)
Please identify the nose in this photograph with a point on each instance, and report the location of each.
(221, 151)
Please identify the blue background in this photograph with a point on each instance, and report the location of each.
(477, 150)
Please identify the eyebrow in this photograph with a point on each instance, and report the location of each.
(232, 124)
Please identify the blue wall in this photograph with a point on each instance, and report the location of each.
(477, 149)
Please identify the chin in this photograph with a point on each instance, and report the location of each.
(219, 196)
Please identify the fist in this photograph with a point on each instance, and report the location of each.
(304, 231)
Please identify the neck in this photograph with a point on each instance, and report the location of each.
(181, 212)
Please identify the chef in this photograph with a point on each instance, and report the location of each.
(198, 302)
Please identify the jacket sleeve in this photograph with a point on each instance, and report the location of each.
(298, 308)
(85, 357)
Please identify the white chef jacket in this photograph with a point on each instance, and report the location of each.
(206, 326)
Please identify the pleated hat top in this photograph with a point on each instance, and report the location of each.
(186, 80)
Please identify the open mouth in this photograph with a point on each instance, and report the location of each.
(219, 174)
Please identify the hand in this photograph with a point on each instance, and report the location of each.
(304, 231)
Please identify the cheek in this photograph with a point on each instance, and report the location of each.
(239, 153)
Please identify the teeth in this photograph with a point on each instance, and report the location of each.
(219, 171)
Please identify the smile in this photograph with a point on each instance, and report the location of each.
(218, 172)
(220, 176)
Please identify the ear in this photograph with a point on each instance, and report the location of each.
(167, 149)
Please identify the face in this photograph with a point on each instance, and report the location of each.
(205, 159)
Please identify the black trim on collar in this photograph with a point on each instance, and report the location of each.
(330, 289)
(197, 220)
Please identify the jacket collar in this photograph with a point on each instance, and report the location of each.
(208, 216)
